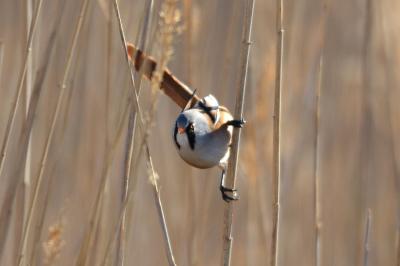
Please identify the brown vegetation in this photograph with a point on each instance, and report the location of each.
(73, 141)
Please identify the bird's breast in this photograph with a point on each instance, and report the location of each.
(208, 151)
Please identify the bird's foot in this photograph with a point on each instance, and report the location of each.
(234, 195)
(236, 123)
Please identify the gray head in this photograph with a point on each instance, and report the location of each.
(193, 120)
(182, 123)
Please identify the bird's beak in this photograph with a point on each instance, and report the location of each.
(181, 130)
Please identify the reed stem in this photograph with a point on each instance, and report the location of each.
(43, 161)
(239, 106)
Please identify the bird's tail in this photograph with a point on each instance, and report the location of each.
(174, 88)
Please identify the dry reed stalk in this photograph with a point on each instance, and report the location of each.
(317, 181)
(89, 236)
(129, 151)
(317, 184)
(41, 76)
(143, 41)
(157, 77)
(397, 246)
(28, 92)
(43, 161)
(126, 183)
(391, 83)
(367, 236)
(366, 146)
(153, 177)
(276, 174)
(12, 187)
(134, 96)
(239, 106)
(18, 92)
(88, 239)
(1, 57)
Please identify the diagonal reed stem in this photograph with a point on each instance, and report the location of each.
(18, 92)
(134, 97)
(43, 162)
(160, 209)
(233, 159)
(143, 41)
(276, 135)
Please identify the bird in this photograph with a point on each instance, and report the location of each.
(203, 129)
(203, 135)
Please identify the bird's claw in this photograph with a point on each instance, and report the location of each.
(226, 197)
(236, 123)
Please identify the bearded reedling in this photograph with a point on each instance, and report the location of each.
(203, 130)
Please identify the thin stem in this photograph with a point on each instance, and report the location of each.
(82, 258)
(233, 159)
(397, 246)
(317, 181)
(131, 136)
(367, 236)
(28, 93)
(18, 92)
(1, 57)
(276, 135)
(126, 183)
(134, 96)
(63, 86)
(5, 218)
(160, 210)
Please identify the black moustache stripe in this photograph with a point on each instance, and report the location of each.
(175, 133)
(191, 137)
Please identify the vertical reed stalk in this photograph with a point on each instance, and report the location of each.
(28, 93)
(276, 174)
(397, 246)
(63, 86)
(233, 159)
(317, 181)
(367, 236)
(18, 92)
(1, 57)
(391, 83)
(366, 145)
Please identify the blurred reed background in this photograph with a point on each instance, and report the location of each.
(340, 130)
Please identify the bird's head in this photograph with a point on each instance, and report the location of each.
(183, 124)
(193, 121)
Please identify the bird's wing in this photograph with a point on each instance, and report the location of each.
(224, 116)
